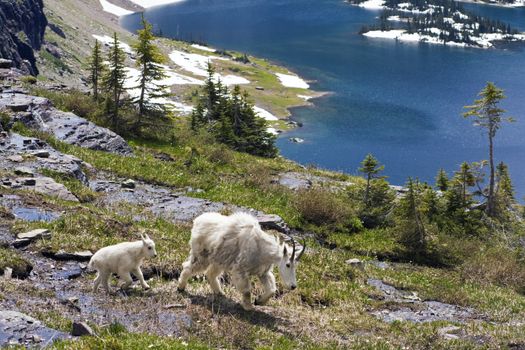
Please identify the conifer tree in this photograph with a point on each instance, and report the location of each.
(488, 115)
(463, 179)
(504, 187)
(410, 219)
(96, 70)
(442, 180)
(149, 61)
(114, 79)
(370, 167)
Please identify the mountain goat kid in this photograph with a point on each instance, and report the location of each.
(237, 244)
(122, 259)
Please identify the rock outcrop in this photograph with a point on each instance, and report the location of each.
(22, 27)
(38, 113)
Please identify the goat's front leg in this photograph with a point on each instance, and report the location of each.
(138, 273)
(242, 283)
(268, 282)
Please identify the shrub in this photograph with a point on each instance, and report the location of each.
(322, 207)
(495, 265)
(28, 79)
(4, 120)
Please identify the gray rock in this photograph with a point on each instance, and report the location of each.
(28, 181)
(25, 171)
(450, 332)
(272, 222)
(81, 329)
(16, 158)
(129, 183)
(354, 262)
(296, 140)
(65, 126)
(76, 256)
(294, 181)
(34, 234)
(17, 328)
(50, 187)
(5, 63)
(41, 154)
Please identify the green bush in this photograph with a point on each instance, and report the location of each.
(28, 79)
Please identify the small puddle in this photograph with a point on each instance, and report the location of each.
(34, 214)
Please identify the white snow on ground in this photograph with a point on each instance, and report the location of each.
(151, 3)
(484, 40)
(373, 4)
(114, 9)
(197, 65)
(272, 131)
(387, 34)
(193, 62)
(263, 113)
(203, 48)
(107, 40)
(292, 81)
(304, 97)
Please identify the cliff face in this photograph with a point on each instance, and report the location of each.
(22, 27)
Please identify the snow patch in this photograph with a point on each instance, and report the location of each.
(263, 113)
(150, 3)
(373, 4)
(292, 81)
(203, 48)
(107, 40)
(197, 64)
(114, 9)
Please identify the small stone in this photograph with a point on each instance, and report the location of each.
(259, 88)
(25, 171)
(16, 158)
(296, 139)
(81, 329)
(34, 234)
(19, 243)
(41, 154)
(129, 183)
(77, 256)
(28, 182)
(8, 273)
(4, 63)
(449, 332)
(37, 338)
(354, 262)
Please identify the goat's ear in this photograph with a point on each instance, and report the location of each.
(147, 236)
(142, 237)
(285, 251)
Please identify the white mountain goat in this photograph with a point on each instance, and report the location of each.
(122, 259)
(237, 244)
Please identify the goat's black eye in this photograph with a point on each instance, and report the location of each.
(288, 265)
(149, 248)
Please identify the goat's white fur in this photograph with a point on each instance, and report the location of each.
(237, 244)
(122, 259)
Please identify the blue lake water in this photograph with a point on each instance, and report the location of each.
(400, 101)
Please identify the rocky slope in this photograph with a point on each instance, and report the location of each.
(22, 27)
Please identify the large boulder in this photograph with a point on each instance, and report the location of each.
(38, 113)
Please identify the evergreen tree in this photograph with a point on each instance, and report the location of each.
(96, 69)
(489, 116)
(149, 60)
(231, 119)
(410, 219)
(114, 79)
(463, 179)
(504, 187)
(442, 180)
(370, 167)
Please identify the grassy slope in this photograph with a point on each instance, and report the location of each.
(331, 307)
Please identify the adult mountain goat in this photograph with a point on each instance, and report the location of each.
(237, 244)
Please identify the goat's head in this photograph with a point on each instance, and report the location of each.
(148, 246)
(288, 264)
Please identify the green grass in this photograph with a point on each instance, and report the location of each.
(11, 258)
